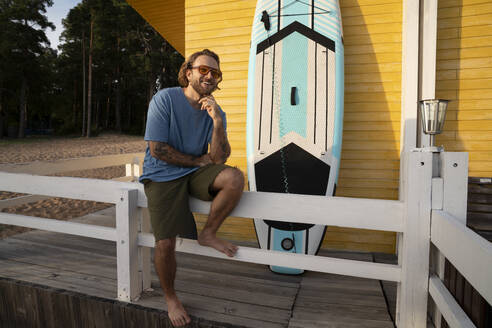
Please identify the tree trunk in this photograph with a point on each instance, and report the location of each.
(129, 113)
(23, 108)
(84, 106)
(98, 103)
(151, 85)
(118, 90)
(74, 103)
(1, 113)
(108, 103)
(89, 96)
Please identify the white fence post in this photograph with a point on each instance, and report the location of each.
(454, 171)
(144, 252)
(454, 177)
(436, 259)
(413, 255)
(129, 284)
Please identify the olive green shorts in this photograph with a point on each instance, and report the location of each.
(168, 202)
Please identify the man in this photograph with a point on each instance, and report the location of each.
(187, 149)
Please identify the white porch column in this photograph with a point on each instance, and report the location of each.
(409, 81)
(428, 48)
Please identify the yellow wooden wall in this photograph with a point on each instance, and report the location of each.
(464, 75)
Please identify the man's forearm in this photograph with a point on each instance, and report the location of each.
(220, 149)
(168, 154)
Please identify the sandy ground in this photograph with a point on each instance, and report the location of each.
(49, 149)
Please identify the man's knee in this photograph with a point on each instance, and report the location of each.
(234, 179)
(166, 246)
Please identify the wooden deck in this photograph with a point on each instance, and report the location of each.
(217, 293)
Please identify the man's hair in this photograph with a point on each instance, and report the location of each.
(188, 64)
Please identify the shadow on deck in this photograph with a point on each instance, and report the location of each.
(58, 280)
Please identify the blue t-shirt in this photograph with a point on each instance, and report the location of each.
(171, 119)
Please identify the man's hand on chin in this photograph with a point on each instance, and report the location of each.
(209, 104)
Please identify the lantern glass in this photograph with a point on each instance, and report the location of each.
(433, 113)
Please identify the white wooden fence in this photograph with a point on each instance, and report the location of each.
(431, 212)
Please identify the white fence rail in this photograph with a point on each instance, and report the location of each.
(451, 311)
(468, 252)
(413, 218)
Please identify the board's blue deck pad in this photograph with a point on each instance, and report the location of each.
(294, 75)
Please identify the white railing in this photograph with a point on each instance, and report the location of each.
(413, 218)
(469, 253)
(131, 162)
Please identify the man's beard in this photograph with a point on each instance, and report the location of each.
(202, 91)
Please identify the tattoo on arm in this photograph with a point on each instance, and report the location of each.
(226, 150)
(219, 146)
(161, 149)
(168, 154)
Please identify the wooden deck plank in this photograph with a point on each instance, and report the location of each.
(339, 297)
(226, 306)
(63, 280)
(345, 323)
(327, 312)
(152, 302)
(235, 288)
(250, 270)
(67, 242)
(57, 260)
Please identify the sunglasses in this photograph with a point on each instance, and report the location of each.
(203, 70)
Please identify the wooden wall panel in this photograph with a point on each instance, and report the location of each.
(464, 76)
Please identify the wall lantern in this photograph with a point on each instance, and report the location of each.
(433, 114)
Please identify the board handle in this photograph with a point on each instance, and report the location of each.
(293, 92)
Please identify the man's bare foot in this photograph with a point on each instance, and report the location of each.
(209, 239)
(176, 312)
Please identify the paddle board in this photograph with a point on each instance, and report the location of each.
(294, 112)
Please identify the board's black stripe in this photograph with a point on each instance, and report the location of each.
(327, 101)
(300, 28)
(273, 95)
(269, 234)
(261, 99)
(315, 85)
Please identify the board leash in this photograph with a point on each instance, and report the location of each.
(276, 105)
